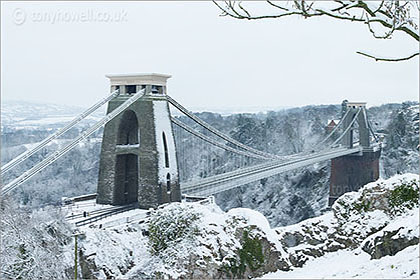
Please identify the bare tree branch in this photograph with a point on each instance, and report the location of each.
(380, 6)
(390, 14)
(388, 59)
(243, 9)
(387, 35)
(276, 6)
(231, 11)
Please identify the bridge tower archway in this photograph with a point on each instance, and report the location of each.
(356, 115)
(138, 146)
(126, 183)
(128, 129)
(126, 179)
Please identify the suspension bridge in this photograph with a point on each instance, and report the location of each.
(154, 150)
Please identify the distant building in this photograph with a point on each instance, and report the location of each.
(331, 124)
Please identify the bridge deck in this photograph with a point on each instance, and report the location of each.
(229, 180)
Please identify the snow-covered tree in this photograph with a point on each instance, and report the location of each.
(32, 243)
(382, 18)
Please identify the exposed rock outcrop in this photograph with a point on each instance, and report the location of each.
(398, 235)
(382, 218)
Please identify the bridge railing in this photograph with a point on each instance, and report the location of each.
(105, 215)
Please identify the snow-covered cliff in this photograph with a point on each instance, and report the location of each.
(370, 233)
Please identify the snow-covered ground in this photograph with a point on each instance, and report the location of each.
(345, 264)
(191, 240)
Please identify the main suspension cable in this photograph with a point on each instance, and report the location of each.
(347, 129)
(22, 157)
(217, 132)
(212, 141)
(56, 155)
(335, 128)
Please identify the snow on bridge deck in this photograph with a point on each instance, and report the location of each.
(89, 213)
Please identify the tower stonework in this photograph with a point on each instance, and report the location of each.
(351, 172)
(138, 157)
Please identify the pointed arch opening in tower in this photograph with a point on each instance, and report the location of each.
(128, 130)
(165, 148)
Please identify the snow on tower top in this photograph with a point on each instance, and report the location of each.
(129, 84)
(356, 104)
(138, 79)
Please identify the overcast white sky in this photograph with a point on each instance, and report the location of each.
(216, 62)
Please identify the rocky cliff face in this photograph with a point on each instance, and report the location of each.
(193, 241)
(369, 219)
(186, 241)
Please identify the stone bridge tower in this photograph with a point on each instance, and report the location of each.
(350, 172)
(138, 157)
